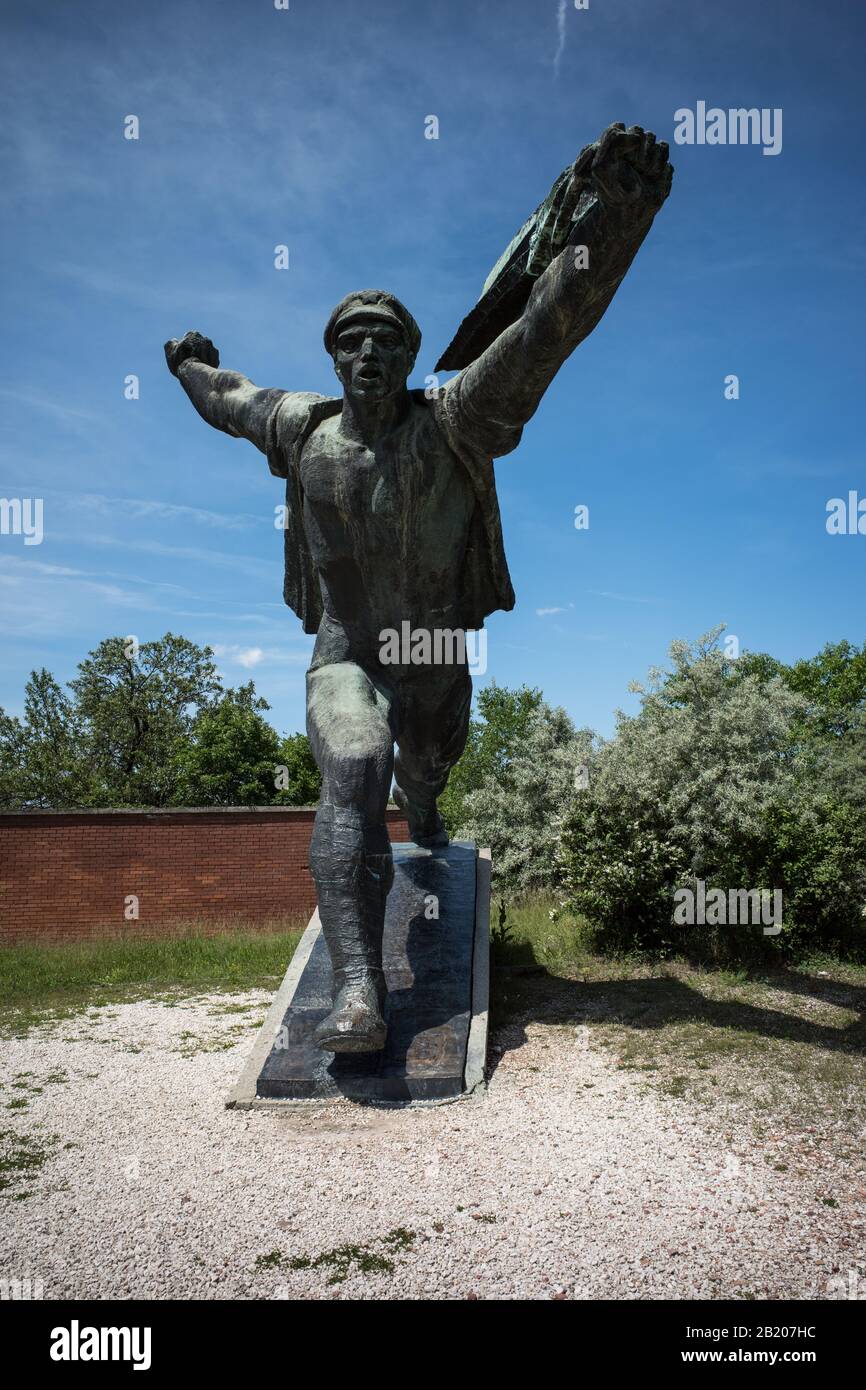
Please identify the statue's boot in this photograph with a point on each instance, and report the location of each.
(426, 826)
(353, 870)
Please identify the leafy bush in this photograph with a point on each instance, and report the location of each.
(715, 780)
(517, 808)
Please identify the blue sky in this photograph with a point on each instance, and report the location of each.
(306, 127)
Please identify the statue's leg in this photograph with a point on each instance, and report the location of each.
(432, 725)
(350, 854)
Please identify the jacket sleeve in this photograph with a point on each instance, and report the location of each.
(282, 429)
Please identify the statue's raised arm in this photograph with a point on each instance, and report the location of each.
(227, 400)
(552, 285)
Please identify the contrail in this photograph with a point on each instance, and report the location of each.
(560, 35)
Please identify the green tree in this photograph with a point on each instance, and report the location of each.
(149, 726)
(844, 768)
(43, 760)
(135, 704)
(299, 781)
(13, 794)
(496, 731)
(833, 683)
(230, 756)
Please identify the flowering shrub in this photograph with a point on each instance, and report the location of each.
(714, 780)
(517, 810)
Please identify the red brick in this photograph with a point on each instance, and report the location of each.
(64, 875)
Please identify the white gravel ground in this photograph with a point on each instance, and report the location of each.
(566, 1180)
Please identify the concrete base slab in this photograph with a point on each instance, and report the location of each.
(436, 961)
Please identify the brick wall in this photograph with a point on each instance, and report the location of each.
(65, 875)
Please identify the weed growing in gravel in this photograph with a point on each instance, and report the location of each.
(675, 1086)
(21, 1156)
(192, 1044)
(500, 932)
(24, 1081)
(346, 1259)
(232, 1008)
(273, 1260)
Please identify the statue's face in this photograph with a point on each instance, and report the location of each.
(372, 359)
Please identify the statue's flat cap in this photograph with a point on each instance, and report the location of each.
(373, 304)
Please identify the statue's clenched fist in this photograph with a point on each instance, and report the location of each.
(626, 168)
(191, 345)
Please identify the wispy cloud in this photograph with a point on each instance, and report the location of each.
(560, 36)
(55, 600)
(138, 508)
(545, 612)
(241, 656)
(28, 566)
(242, 564)
(64, 414)
(622, 598)
(235, 654)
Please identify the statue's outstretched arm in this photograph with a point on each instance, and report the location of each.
(226, 400)
(492, 399)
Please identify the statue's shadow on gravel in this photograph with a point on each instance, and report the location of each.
(524, 994)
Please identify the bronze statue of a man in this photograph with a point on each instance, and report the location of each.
(392, 517)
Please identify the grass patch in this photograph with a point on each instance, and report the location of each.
(27, 1081)
(21, 1157)
(524, 936)
(191, 1044)
(765, 1044)
(38, 983)
(347, 1259)
(274, 1259)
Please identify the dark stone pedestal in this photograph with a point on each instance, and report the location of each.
(436, 969)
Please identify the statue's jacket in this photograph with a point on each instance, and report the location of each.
(485, 582)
